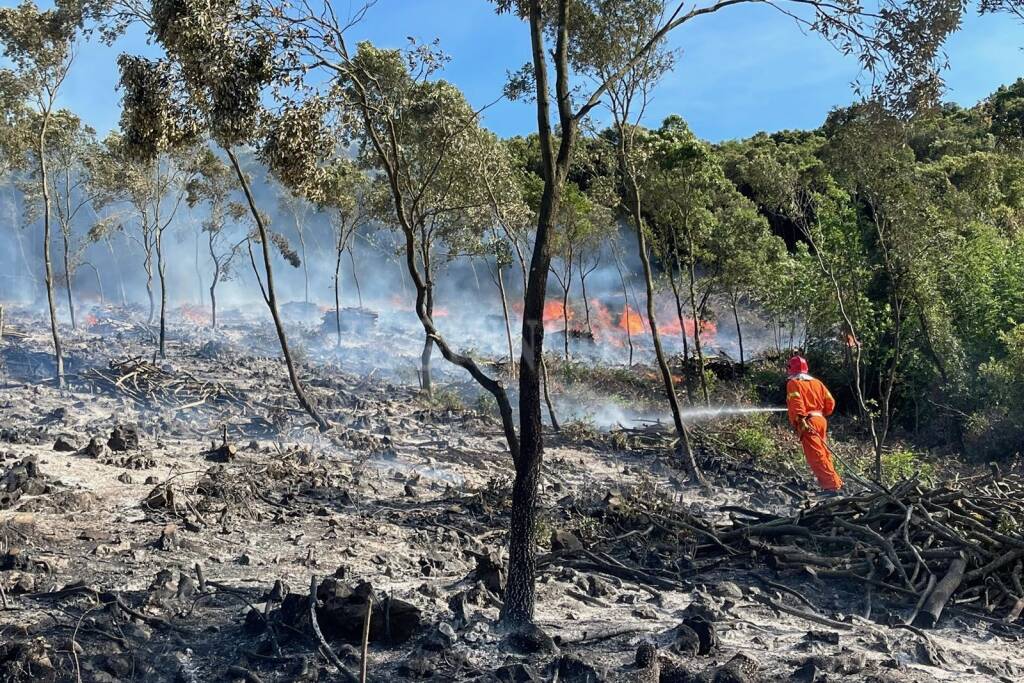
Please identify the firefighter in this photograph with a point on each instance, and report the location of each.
(809, 403)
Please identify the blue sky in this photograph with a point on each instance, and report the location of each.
(743, 70)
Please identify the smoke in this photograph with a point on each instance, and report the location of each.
(608, 326)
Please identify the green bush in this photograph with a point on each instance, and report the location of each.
(581, 429)
(446, 399)
(903, 463)
(755, 441)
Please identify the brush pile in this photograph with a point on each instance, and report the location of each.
(149, 385)
(958, 544)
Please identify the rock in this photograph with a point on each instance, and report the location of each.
(441, 638)
(646, 655)
(343, 612)
(417, 667)
(490, 571)
(727, 589)
(186, 587)
(125, 478)
(531, 639)
(515, 673)
(645, 612)
(62, 445)
(457, 604)
(813, 670)
(740, 669)
(168, 538)
(705, 631)
(598, 587)
(686, 642)
(94, 449)
(124, 438)
(826, 637)
(574, 669)
(160, 498)
(565, 540)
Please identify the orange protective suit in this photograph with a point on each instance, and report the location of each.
(809, 403)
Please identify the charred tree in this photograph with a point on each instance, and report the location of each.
(270, 297)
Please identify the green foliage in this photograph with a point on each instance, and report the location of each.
(902, 463)
(446, 399)
(755, 441)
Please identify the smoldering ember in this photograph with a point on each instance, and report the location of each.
(490, 341)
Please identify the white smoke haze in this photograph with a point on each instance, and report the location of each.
(467, 309)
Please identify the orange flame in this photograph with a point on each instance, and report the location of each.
(193, 314)
(631, 321)
(90, 320)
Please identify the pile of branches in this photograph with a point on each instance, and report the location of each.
(958, 544)
(147, 384)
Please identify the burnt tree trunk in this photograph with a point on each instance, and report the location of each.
(67, 279)
(271, 299)
(586, 302)
(519, 599)
(337, 298)
(500, 279)
(697, 349)
(426, 381)
(161, 269)
(686, 452)
(355, 275)
(148, 263)
(58, 350)
(739, 330)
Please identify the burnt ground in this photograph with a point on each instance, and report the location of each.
(188, 557)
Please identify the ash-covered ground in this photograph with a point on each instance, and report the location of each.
(168, 520)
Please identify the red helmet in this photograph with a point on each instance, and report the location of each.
(798, 365)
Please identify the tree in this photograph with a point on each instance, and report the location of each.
(40, 47)
(76, 160)
(899, 46)
(582, 225)
(155, 188)
(212, 81)
(298, 210)
(346, 197)
(685, 193)
(214, 184)
(604, 47)
(424, 139)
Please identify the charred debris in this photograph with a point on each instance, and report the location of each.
(182, 520)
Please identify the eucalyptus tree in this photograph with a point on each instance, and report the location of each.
(511, 218)
(156, 188)
(582, 225)
(684, 188)
(297, 210)
(899, 47)
(346, 198)
(214, 184)
(39, 46)
(78, 194)
(212, 82)
(604, 48)
(423, 139)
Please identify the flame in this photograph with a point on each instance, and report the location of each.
(631, 321)
(90, 320)
(193, 314)
(555, 314)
